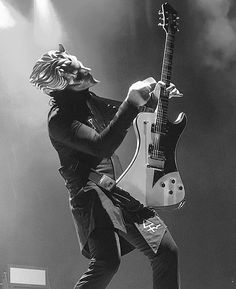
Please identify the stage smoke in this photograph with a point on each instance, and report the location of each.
(219, 32)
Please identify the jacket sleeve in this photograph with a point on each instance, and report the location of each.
(85, 139)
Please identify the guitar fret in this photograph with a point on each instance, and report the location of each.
(167, 66)
(169, 60)
(162, 111)
(166, 70)
(164, 108)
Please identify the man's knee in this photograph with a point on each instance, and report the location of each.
(106, 266)
(172, 254)
(99, 273)
(112, 266)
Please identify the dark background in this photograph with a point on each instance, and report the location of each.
(121, 42)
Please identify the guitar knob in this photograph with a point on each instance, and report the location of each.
(180, 188)
(170, 192)
(163, 185)
(173, 181)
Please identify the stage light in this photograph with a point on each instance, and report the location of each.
(47, 27)
(19, 276)
(6, 20)
(43, 8)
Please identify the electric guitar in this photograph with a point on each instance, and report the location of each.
(152, 176)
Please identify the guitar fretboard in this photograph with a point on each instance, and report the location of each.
(162, 108)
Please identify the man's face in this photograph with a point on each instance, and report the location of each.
(83, 78)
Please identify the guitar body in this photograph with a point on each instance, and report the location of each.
(155, 182)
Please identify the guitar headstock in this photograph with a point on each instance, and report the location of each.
(168, 17)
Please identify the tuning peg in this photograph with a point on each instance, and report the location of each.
(159, 12)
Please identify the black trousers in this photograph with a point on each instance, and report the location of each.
(105, 261)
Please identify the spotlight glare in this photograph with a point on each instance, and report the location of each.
(43, 8)
(6, 20)
(47, 27)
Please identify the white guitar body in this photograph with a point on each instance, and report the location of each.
(154, 182)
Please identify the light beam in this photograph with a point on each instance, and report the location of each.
(6, 19)
(47, 27)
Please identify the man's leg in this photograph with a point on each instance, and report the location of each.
(105, 252)
(164, 263)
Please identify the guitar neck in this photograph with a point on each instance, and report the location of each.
(167, 59)
(162, 108)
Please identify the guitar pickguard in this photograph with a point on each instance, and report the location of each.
(167, 191)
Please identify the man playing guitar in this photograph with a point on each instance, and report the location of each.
(86, 130)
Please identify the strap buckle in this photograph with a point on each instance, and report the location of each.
(107, 183)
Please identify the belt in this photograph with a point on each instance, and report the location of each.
(102, 180)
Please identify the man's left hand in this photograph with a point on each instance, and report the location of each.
(171, 89)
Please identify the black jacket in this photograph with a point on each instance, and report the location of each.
(86, 130)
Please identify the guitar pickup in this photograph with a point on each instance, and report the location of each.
(158, 164)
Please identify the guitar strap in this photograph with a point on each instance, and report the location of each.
(132, 209)
(102, 180)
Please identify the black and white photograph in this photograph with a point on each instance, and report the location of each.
(117, 147)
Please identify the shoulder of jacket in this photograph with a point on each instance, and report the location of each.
(110, 103)
(55, 118)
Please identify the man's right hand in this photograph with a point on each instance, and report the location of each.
(139, 92)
